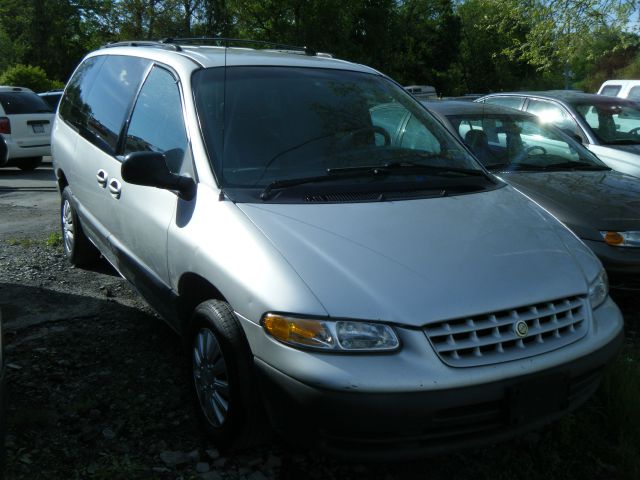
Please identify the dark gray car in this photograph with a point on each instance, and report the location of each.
(600, 205)
(608, 126)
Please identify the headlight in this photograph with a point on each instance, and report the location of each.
(331, 335)
(599, 289)
(621, 239)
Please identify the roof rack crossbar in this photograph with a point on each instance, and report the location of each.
(143, 43)
(226, 41)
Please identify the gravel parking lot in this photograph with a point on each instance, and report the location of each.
(97, 383)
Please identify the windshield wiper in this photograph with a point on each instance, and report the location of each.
(552, 166)
(409, 168)
(395, 168)
(330, 176)
(623, 141)
(575, 166)
(521, 166)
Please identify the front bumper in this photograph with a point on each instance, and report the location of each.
(625, 260)
(440, 413)
(368, 426)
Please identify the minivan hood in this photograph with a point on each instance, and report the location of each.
(586, 202)
(418, 261)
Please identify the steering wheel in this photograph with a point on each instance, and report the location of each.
(634, 131)
(534, 148)
(374, 129)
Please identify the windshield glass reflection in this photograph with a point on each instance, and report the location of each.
(275, 124)
(516, 142)
(613, 123)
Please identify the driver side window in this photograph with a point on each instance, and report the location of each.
(156, 123)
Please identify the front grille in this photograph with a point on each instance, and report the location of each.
(491, 338)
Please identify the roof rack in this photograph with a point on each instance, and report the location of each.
(226, 41)
(144, 43)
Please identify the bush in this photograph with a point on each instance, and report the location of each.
(28, 76)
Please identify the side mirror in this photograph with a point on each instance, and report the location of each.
(150, 169)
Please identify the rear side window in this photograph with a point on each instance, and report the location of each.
(101, 108)
(549, 112)
(74, 108)
(510, 102)
(634, 94)
(610, 90)
(17, 103)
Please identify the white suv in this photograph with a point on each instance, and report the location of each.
(25, 124)
(629, 89)
(347, 271)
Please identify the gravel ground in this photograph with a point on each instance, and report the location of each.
(98, 387)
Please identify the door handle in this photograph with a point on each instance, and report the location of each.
(115, 188)
(102, 176)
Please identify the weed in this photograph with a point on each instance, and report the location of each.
(111, 467)
(54, 240)
(22, 242)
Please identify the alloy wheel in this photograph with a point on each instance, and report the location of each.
(68, 227)
(211, 377)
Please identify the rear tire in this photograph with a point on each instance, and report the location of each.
(30, 163)
(223, 383)
(77, 248)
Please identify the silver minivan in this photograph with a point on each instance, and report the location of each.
(371, 293)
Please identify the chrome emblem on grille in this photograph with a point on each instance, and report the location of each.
(521, 328)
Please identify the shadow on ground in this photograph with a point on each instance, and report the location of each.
(101, 390)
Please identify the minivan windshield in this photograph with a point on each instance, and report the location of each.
(612, 121)
(509, 142)
(278, 127)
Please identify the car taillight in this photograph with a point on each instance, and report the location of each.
(5, 125)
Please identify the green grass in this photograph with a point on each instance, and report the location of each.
(54, 240)
(599, 440)
(22, 242)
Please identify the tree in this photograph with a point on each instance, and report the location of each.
(28, 76)
(426, 40)
(45, 33)
(485, 63)
(558, 29)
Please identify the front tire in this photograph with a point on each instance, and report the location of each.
(223, 378)
(77, 247)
